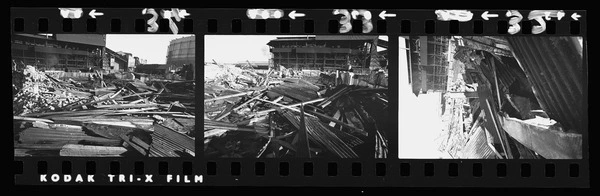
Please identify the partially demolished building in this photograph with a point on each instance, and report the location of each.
(329, 53)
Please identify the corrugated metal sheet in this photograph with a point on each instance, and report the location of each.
(554, 66)
(477, 147)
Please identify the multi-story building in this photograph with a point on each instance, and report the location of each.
(114, 61)
(323, 52)
(139, 61)
(430, 62)
(69, 52)
(130, 60)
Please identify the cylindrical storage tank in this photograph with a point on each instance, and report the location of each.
(182, 51)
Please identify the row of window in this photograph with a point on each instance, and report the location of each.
(309, 55)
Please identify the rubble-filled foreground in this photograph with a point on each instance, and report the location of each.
(276, 116)
(102, 116)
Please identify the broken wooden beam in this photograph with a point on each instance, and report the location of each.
(137, 145)
(247, 102)
(236, 128)
(229, 96)
(292, 105)
(336, 121)
(129, 105)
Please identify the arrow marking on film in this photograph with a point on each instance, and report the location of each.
(183, 13)
(382, 15)
(575, 16)
(293, 15)
(486, 16)
(93, 14)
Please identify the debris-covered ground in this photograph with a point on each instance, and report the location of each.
(287, 113)
(101, 116)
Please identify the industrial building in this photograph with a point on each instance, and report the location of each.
(329, 53)
(429, 63)
(70, 52)
(59, 51)
(129, 59)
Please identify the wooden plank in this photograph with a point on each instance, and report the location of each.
(233, 128)
(493, 124)
(32, 119)
(117, 106)
(47, 139)
(139, 142)
(108, 131)
(303, 147)
(134, 145)
(65, 127)
(283, 106)
(77, 150)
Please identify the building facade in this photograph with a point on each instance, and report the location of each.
(130, 60)
(431, 56)
(328, 52)
(66, 52)
(113, 61)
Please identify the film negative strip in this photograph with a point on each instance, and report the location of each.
(300, 97)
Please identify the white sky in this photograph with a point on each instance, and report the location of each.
(419, 120)
(236, 48)
(239, 48)
(150, 47)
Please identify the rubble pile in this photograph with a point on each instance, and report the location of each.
(233, 77)
(125, 117)
(34, 91)
(291, 117)
(457, 131)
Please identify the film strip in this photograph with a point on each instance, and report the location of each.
(299, 97)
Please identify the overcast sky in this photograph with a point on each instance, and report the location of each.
(239, 48)
(150, 47)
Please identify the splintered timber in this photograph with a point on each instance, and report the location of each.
(121, 178)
